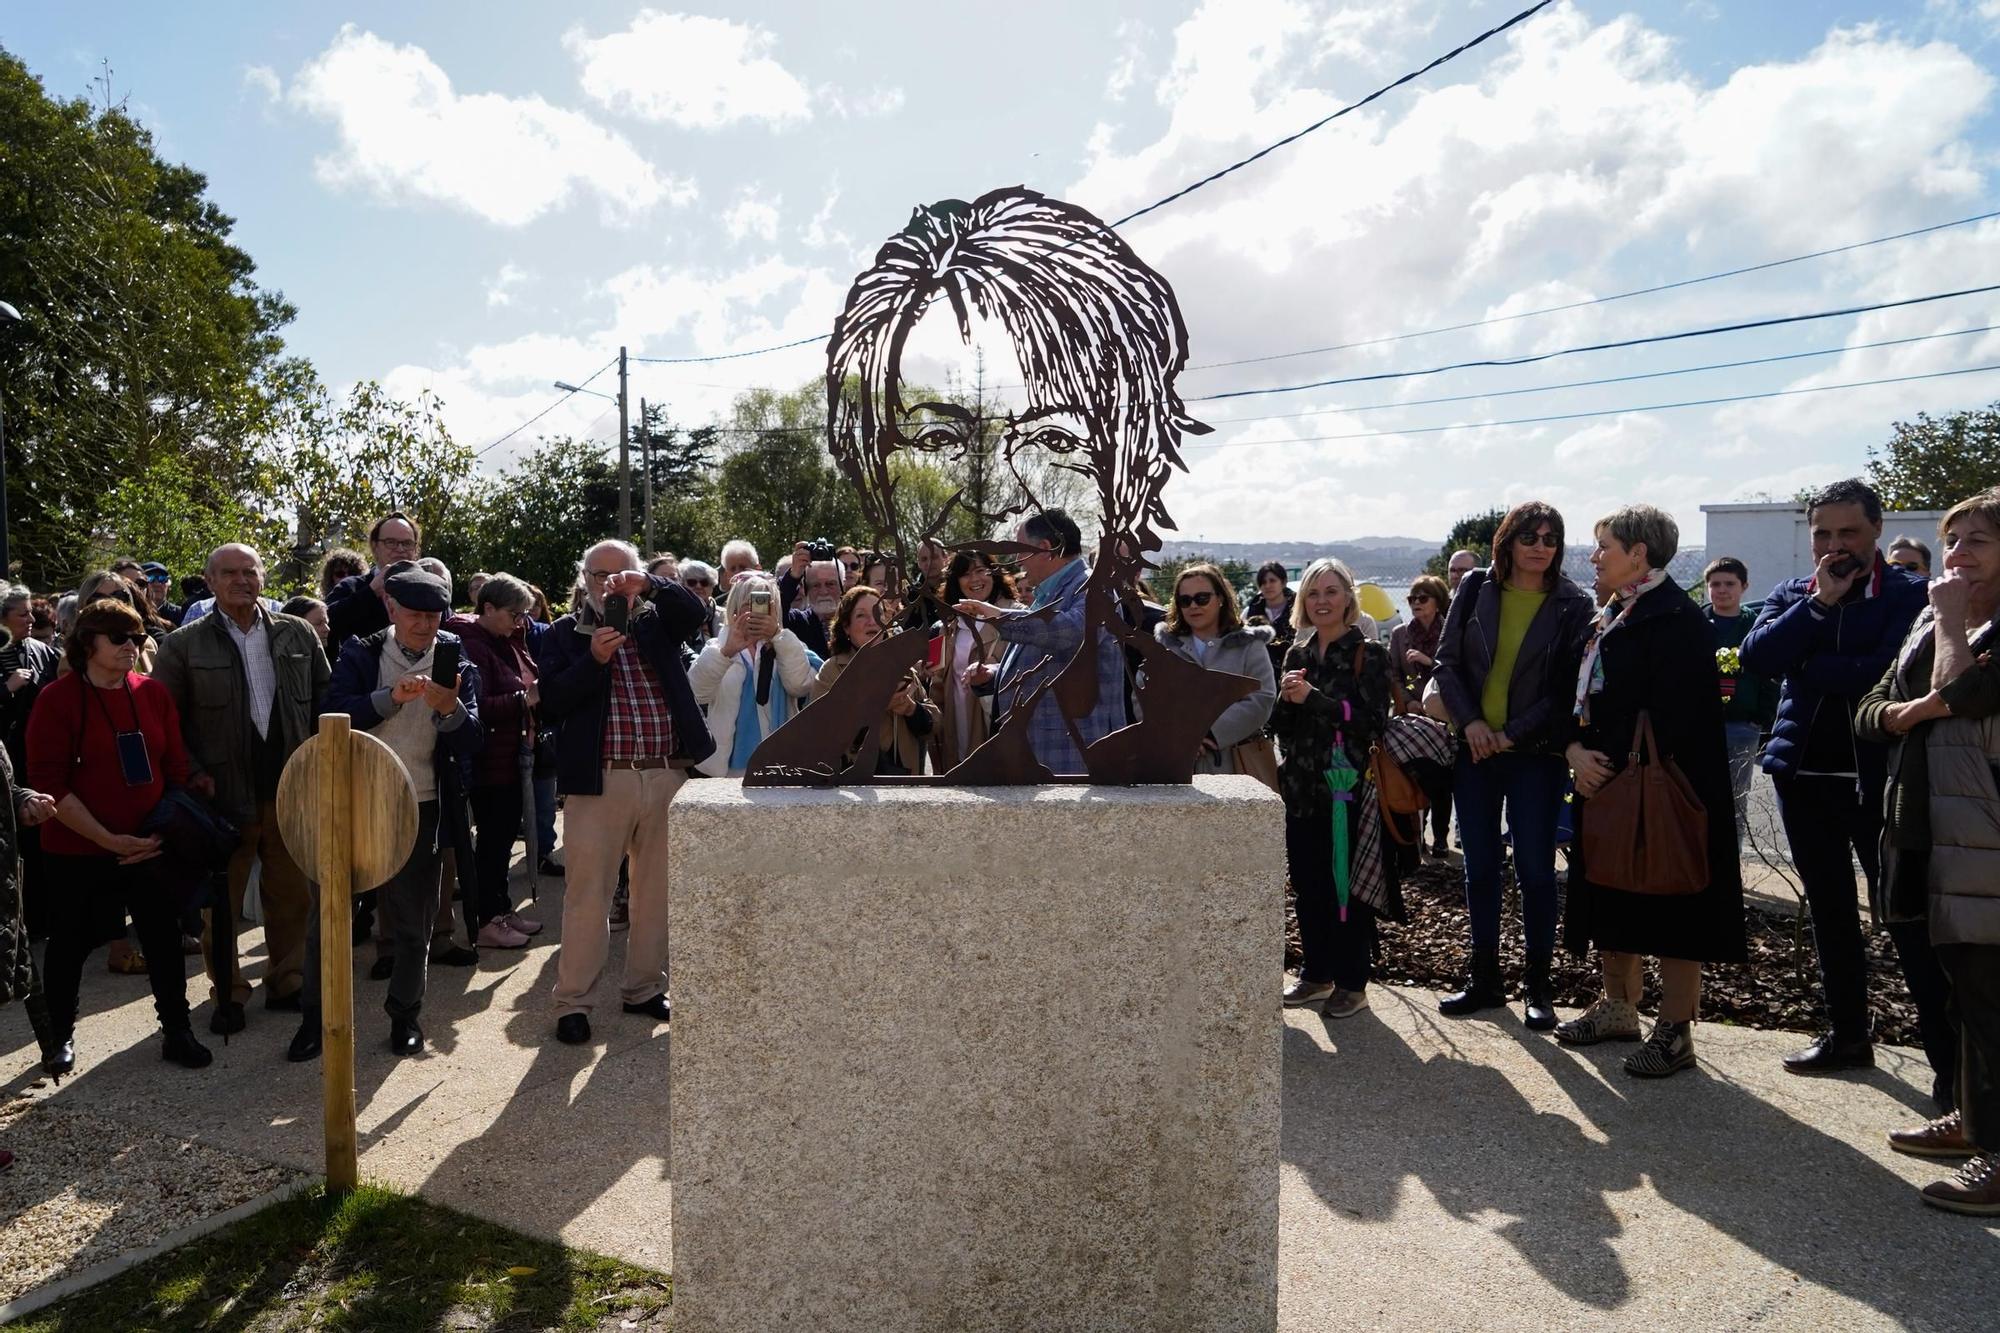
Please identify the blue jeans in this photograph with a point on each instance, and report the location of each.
(1530, 786)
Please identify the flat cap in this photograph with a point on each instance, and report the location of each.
(414, 588)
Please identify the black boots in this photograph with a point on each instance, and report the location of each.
(179, 1046)
(1484, 990)
(1540, 1012)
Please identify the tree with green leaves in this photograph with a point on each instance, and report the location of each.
(145, 342)
(337, 467)
(1933, 463)
(1473, 533)
(778, 483)
(544, 509)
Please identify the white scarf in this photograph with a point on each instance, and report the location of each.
(1590, 679)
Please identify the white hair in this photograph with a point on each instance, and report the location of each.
(697, 568)
(740, 547)
(626, 549)
(430, 564)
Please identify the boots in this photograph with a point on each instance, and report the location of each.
(1483, 992)
(1540, 1012)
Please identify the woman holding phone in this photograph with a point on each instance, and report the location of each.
(105, 742)
(911, 717)
(753, 678)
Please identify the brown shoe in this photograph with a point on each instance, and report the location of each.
(1942, 1137)
(1975, 1189)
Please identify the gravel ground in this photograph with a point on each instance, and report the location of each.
(85, 1188)
(1778, 988)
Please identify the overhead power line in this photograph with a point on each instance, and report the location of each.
(1324, 121)
(1775, 321)
(567, 395)
(1185, 190)
(1605, 412)
(1609, 379)
(1599, 300)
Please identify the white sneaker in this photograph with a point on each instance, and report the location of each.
(497, 934)
(1302, 992)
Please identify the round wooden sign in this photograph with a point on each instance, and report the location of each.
(385, 809)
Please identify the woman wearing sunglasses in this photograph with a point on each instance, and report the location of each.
(106, 743)
(1204, 626)
(1413, 649)
(1506, 668)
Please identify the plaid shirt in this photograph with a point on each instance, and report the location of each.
(637, 724)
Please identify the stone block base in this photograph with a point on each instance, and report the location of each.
(1003, 1058)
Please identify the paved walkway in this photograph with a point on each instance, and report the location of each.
(1436, 1175)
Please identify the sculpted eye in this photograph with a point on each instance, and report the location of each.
(1055, 439)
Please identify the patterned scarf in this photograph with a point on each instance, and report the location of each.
(1590, 680)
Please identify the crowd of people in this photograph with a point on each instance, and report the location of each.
(1613, 729)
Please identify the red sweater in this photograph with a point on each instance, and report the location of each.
(73, 747)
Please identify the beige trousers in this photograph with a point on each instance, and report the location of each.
(1680, 983)
(628, 820)
(287, 902)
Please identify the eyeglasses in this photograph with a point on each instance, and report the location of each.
(599, 575)
(397, 543)
(697, 583)
(1418, 598)
(1187, 599)
(157, 578)
(1548, 539)
(119, 639)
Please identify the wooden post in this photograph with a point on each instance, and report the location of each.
(336, 947)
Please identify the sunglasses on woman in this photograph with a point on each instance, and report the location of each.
(1548, 539)
(119, 638)
(1419, 599)
(1187, 599)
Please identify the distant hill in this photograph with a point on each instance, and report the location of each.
(1399, 558)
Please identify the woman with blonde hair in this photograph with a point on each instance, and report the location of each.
(1333, 704)
(724, 676)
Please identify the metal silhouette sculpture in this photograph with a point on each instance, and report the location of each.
(1100, 341)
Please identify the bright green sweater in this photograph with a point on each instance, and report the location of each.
(1517, 611)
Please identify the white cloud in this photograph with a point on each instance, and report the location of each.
(690, 71)
(752, 215)
(263, 80)
(874, 103)
(406, 133)
(1570, 159)
(501, 286)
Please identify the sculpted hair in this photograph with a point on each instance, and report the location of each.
(1098, 332)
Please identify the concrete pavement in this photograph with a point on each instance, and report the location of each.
(1435, 1174)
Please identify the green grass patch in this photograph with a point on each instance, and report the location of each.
(375, 1260)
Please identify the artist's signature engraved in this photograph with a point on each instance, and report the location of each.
(793, 771)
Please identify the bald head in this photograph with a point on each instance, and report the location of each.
(235, 574)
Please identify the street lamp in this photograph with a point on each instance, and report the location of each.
(8, 315)
(624, 444)
(567, 387)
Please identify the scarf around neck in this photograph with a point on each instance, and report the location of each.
(1590, 679)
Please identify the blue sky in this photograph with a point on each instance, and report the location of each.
(483, 199)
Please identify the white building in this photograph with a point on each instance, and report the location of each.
(1773, 540)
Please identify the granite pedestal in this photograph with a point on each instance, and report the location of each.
(994, 1058)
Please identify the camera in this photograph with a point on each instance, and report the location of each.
(820, 548)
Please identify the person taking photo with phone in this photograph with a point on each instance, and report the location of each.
(753, 678)
(627, 730)
(408, 686)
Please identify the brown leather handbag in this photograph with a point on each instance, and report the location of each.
(1646, 831)
(1258, 758)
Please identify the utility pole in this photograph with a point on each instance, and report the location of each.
(646, 463)
(624, 456)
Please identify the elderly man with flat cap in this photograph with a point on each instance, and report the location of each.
(385, 682)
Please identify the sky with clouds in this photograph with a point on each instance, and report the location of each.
(484, 199)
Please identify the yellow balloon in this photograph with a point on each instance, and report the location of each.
(1375, 602)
